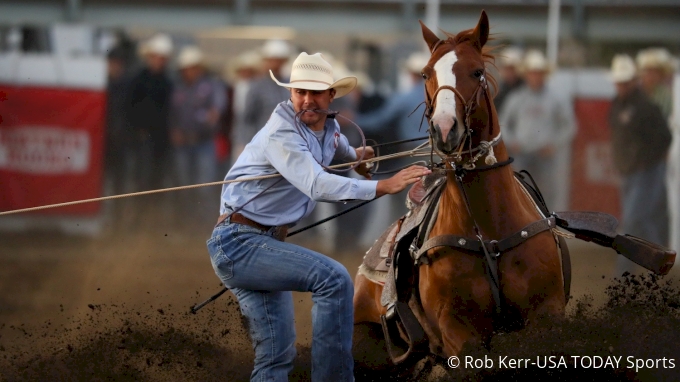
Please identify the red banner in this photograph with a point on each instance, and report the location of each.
(594, 180)
(51, 146)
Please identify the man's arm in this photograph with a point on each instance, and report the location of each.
(400, 180)
(289, 155)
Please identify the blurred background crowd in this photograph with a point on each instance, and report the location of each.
(181, 103)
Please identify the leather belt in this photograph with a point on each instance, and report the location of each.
(240, 219)
(280, 232)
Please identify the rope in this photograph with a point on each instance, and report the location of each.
(413, 152)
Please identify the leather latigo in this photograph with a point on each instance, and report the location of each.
(600, 228)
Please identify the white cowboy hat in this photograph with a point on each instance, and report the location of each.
(276, 49)
(312, 72)
(534, 60)
(511, 56)
(248, 60)
(190, 56)
(655, 58)
(623, 68)
(416, 62)
(160, 44)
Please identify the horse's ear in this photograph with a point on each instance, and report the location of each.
(481, 32)
(430, 38)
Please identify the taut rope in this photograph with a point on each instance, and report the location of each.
(418, 151)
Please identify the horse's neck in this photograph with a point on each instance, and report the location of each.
(494, 199)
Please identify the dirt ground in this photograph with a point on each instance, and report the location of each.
(116, 307)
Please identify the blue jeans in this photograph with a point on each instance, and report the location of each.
(644, 209)
(196, 164)
(261, 272)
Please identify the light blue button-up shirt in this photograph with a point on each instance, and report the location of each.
(278, 147)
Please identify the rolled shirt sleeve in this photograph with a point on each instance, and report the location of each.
(288, 153)
(298, 156)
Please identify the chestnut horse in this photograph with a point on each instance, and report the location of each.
(481, 199)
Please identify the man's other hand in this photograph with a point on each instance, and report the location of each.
(401, 180)
(363, 168)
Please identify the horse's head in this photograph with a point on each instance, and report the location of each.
(456, 87)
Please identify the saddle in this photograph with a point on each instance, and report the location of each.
(394, 258)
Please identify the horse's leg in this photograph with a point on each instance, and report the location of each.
(535, 283)
(456, 302)
(461, 326)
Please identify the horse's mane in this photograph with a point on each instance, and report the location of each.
(488, 53)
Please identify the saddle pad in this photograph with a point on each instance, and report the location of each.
(376, 257)
(376, 277)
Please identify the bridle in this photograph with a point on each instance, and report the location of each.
(470, 105)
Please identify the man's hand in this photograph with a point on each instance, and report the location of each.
(363, 168)
(401, 180)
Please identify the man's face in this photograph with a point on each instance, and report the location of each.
(509, 74)
(192, 73)
(651, 78)
(156, 62)
(274, 64)
(312, 99)
(624, 88)
(535, 79)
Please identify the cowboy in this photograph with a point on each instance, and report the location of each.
(510, 78)
(396, 120)
(538, 127)
(198, 101)
(147, 110)
(247, 248)
(264, 95)
(640, 142)
(656, 68)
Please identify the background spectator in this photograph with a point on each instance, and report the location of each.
(198, 103)
(640, 141)
(264, 94)
(656, 67)
(395, 120)
(118, 137)
(536, 124)
(510, 78)
(148, 107)
(247, 67)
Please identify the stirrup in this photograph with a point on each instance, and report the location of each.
(401, 320)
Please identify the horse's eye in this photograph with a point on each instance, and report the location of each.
(424, 75)
(478, 73)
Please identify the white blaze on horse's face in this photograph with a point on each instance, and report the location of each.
(445, 105)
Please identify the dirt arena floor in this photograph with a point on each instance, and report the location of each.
(116, 308)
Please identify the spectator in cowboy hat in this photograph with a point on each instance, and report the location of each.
(247, 248)
(148, 107)
(264, 95)
(395, 120)
(656, 67)
(640, 142)
(537, 124)
(510, 76)
(247, 68)
(198, 101)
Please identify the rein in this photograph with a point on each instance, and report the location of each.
(491, 250)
